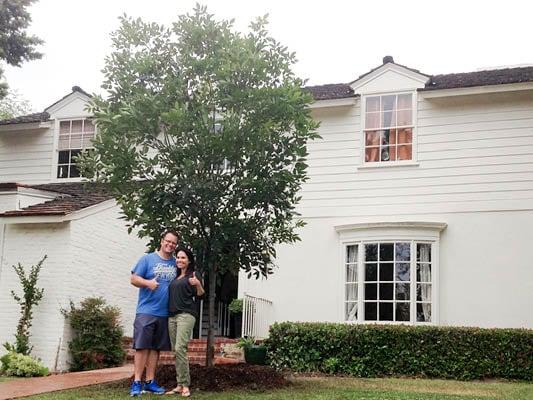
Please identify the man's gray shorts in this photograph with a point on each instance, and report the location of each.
(151, 332)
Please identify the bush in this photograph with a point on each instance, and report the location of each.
(16, 364)
(31, 297)
(98, 335)
(381, 350)
(235, 307)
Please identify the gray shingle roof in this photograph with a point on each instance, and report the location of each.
(73, 196)
(480, 78)
(23, 119)
(330, 91)
(436, 82)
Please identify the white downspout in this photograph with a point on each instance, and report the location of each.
(2, 249)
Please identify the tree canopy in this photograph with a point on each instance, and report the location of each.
(14, 105)
(16, 46)
(204, 130)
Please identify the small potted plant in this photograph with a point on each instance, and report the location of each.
(235, 309)
(254, 353)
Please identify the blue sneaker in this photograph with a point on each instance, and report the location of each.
(136, 388)
(153, 387)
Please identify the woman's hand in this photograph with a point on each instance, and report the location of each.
(193, 281)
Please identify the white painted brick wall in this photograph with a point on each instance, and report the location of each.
(27, 244)
(103, 255)
(89, 257)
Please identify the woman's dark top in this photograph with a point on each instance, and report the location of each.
(182, 296)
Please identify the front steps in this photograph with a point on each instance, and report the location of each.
(226, 352)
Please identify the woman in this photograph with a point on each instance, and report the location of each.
(182, 305)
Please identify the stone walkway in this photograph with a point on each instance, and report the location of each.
(31, 386)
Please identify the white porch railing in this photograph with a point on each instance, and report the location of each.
(257, 314)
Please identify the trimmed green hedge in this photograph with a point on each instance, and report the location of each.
(380, 350)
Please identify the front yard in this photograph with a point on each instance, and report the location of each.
(307, 388)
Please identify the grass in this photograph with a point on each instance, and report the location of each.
(4, 378)
(305, 388)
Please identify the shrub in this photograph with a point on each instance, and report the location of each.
(235, 307)
(31, 297)
(16, 364)
(381, 350)
(98, 335)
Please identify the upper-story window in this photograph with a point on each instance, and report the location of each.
(74, 136)
(388, 128)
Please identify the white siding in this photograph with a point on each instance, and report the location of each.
(474, 153)
(26, 157)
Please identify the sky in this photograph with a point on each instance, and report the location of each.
(335, 41)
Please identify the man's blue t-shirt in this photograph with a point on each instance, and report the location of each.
(152, 266)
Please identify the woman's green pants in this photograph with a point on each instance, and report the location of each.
(180, 329)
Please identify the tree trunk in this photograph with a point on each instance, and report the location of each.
(210, 353)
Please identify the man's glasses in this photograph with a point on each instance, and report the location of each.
(170, 242)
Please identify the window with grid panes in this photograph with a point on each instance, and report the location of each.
(74, 136)
(388, 128)
(394, 280)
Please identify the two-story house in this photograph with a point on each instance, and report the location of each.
(419, 206)
(419, 210)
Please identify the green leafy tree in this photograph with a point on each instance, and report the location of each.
(205, 129)
(31, 297)
(16, 46)
(13, 105)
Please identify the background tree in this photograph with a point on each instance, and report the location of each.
(13, 105)
(205, 129)
(16, 46)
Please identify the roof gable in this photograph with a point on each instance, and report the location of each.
(73, 104)
(389, 77)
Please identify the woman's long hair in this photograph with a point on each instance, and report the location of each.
(192, 263)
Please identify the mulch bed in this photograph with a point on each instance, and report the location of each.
(224, 377)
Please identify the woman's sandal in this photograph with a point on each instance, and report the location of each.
(177, 390)
(185, 392)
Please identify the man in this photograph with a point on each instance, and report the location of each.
(152, 275)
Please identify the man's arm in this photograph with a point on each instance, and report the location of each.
(140, 282)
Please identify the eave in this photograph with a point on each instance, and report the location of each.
(467, 91)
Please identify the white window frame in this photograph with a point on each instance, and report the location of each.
(414, 150)
(55, 162)
(413, 232)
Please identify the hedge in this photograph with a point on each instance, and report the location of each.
(400, 350)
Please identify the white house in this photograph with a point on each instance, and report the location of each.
(419, 210)
(419, 206)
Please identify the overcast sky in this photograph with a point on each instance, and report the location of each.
(335, 40)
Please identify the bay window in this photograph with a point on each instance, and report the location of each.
(389, 281)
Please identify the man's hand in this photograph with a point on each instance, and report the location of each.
(193, 281)
(152, 284)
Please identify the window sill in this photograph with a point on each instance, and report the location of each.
(371, 166)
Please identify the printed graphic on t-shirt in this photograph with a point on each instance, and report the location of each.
(164, 272)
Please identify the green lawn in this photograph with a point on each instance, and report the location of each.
(339, 389)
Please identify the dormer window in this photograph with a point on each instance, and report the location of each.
(74, 136)
(388, 128)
